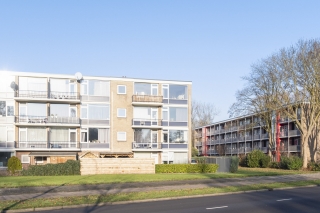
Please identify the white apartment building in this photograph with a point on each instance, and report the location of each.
(50, 118)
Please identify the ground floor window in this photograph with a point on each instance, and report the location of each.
(4, 157)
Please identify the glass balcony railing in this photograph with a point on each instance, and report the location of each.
(46, 120)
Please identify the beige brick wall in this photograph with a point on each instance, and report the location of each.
(121, 124)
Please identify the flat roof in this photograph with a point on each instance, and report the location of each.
(85, 77)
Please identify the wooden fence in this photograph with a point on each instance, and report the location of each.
(91, 166)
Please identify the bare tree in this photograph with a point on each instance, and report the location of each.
(202, 114)
(287, 82)
(260, 95)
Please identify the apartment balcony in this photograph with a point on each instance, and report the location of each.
(248, 149)
(256, 137)
(294, 148)
(47, 121)
(283, 134)
(294, 133)
(241, 150)
(147, 123)
(228, 140)
(262, 149)
(147, 100)
(144, 146)
(7, 145)
(212, 152)
(222, 130)
(241, 138)
(265, 136)
(47, 96)
(248, 137)
(234, 128)
(47, 145)
(182, 145)
(231, 151)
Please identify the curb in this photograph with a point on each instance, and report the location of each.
(149, 200)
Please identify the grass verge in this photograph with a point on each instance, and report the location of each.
(27, 181)
(95, 199)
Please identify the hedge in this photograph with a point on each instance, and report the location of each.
(234, 165)
(186, 168)
(313, 166)
(71, 167)
(291, 163)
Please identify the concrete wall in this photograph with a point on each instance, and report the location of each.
(91, 166)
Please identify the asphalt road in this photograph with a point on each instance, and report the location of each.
(293, 200)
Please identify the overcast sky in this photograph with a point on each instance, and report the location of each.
(211, 43)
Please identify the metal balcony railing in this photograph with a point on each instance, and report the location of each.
(46, 119)
(137, 145)
(283, 134)
(47, 144)
(265, 136)
(147, 98)
(146, 122)
(294, 132)
(256, 137)
(295, 148)
(47, 94)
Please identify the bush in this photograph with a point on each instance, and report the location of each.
(274, 165)
(14, 164)
(234, 164)
(254, 158)
(291, 163)
(265, 161)
(186, 168)
(243, 161)
(313, 166)
(71, 167)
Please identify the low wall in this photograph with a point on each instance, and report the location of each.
(92, 166)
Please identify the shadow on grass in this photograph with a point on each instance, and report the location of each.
(38, 196)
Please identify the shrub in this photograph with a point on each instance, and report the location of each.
(295, 163)
(275, 165)
(186, 168)
(71, 167)
(243, 161)
(14, 164)
(313, 166)
(265, 161)
(234, 164)
(254, 158)
(291, 163)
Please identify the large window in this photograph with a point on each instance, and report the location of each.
(60, 110)
(95, 88)
(33, 109)
(59, 135)
(178, 114)
(6, 90)
(6, 134)
(145, 136)
(6, 108)
(95, 112)
(178, 92)
(178, 136)
(32, 84)
(145, 89)
(33, 134)
(95, 135)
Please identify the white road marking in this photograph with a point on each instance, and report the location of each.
(284, 199)
(219, 207)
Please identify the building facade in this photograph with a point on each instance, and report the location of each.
(241, 135)
(50, 118)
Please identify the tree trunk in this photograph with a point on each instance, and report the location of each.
(304, 150)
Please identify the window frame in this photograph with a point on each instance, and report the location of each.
(125, 89)
(125, 112)
(119, 136)
(22, 161)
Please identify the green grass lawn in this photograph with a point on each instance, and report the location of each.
(98, 199)
(24, 181)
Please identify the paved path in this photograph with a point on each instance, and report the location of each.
(103, 189)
